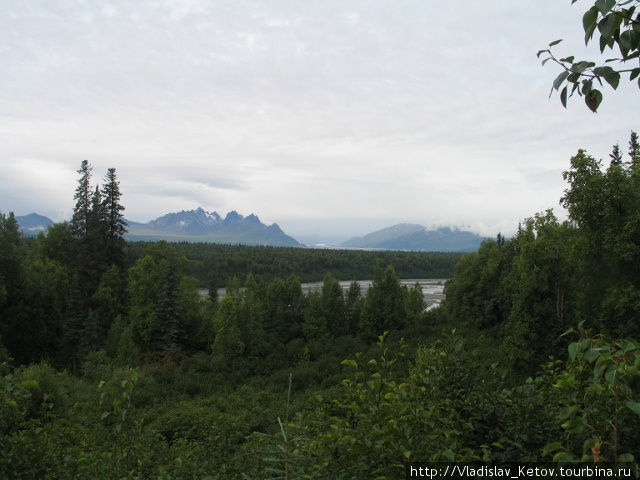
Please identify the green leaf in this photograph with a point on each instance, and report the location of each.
(551, 447)
(605, 6)
(563, 97)
(609, 74)
(589, 19)
(573, 351)
(625, 43)
(573, 78)
(634, 73)
(610, 376)
(589, 33)
(609, 24)
(603, 43)
(593, 99)
(633, 406)
(555, 42)
(567, 332)
(567, 59)
(591, 356)
(581, 66)
(559, 79)
(349, 363)
(563, 457)
(30, 384)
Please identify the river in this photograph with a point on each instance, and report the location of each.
(432, 288)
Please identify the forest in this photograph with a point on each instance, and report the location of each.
(113, 366)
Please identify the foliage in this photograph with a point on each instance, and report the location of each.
(223, 262)
(617, 23)
(600, 401)
(150, 379)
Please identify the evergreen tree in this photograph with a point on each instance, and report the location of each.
(333, 306)
(315, 323)
(11, 256)
(255, 341)
(634, 149)
(74, 323)
(92, 336)
(169, 314)
(11, 282)
(95, 261)
(384, 307)
(616, 156)
(353, 307)
(415, 301)
(80, 217)
(213, 287)
(228, 342)
(115, 225)
(108, 299)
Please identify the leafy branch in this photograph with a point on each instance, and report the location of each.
(617, 26)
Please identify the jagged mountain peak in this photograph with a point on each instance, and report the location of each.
(201, 225)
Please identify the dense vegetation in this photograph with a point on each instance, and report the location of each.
(112, 365)
(310, 265)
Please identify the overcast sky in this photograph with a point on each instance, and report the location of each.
(332, 117)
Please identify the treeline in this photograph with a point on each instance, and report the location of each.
(70, 292)
(207, 260)
(60, 293)
(551, 276)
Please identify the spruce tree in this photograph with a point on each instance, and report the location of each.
(333, 306)
(74, 323)
(91, 335)
(616, 156)
(116, 226)
(80, 218)
(352, 307)
(96, 261)
(169, 316)
(634, 149)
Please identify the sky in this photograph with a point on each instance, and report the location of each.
(332, 118)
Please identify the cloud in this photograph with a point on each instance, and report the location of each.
(296, 111)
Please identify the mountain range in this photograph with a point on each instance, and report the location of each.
(408, 236)
(202, 226)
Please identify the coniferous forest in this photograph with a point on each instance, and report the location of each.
(114, 366)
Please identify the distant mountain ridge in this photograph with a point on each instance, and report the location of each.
(33, 223)
(408, 236)
(201, 226)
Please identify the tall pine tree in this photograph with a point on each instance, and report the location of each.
(80, 219)
(616, 156)
(169, 313)
(95, 241)
(634, 149)
(115, 225)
